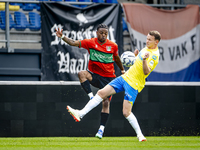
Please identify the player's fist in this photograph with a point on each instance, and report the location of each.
(146, 55)
(136, 52)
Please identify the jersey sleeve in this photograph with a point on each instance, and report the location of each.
(84, 44)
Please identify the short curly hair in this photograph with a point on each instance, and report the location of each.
(102, 26)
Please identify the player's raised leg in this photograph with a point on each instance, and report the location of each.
(78, 114)
(98, 98)
(74, 113)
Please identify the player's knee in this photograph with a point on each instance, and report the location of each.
(81, 74)
(126, 113)
(106, 103)
(101, 94)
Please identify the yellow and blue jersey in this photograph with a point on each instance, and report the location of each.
(135, 76)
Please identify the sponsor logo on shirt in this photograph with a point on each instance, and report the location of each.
(101, 56)
(151, 62)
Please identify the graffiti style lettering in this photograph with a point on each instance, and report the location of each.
(71, 65)
(78, 35)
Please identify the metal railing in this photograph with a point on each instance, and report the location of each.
(175, 1)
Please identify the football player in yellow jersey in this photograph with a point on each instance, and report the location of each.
(131, 82)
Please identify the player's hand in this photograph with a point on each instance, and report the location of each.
(123, 71)
(146, 55)
(59, 32)
(136, 52)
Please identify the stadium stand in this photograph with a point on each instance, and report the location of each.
(98, 1)
(11, 7)
(28, 7)
(72, 1)
(2, 6)
(111, 1)
(3, 20)
(21, 21)
(125, 28)
(84, 1)
(17, 4)
(35, 21)
(14, 8)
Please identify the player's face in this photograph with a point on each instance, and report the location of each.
(151, 43)
(102, 34)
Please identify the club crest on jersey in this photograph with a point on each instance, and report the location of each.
(96, 46)
(154, 57)
(108, 48)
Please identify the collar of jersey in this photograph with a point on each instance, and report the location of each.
(101, 43)
(152, 49)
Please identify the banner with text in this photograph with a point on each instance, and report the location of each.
(179, 47)
(61, 61)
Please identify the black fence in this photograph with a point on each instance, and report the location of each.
(36, 109)
(23, 65)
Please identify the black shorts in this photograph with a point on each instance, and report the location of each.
(99, 81)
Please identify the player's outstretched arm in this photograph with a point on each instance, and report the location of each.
(119, 63)
(64, 38)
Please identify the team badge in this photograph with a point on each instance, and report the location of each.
(154, 57)
(108, 48)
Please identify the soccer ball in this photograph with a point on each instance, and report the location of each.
(128, 58)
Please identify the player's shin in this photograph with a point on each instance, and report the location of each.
(90, 105)
(86, 86)
(134, 123)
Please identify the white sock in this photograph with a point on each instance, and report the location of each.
(90, 105)
(134, 123)
(102, 128)
(90, 95)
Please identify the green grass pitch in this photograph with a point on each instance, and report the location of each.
(106, 143)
